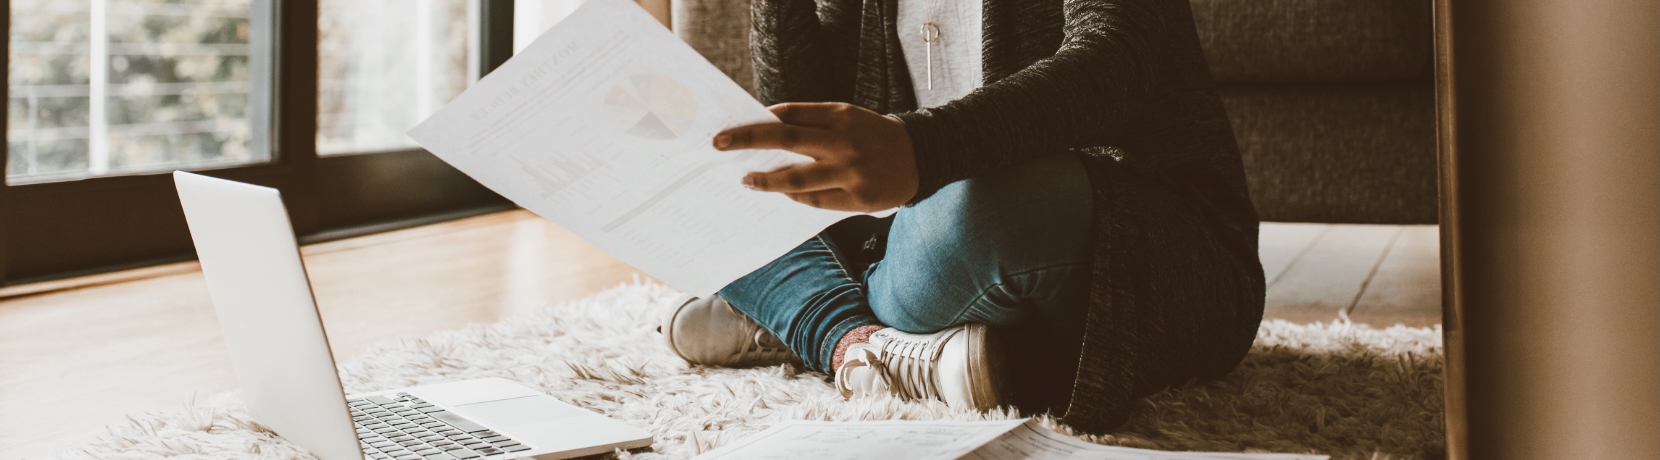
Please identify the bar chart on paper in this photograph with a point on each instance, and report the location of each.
(558, 172)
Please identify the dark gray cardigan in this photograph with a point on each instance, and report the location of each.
(1177, 292)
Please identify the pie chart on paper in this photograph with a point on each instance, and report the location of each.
(650, 106)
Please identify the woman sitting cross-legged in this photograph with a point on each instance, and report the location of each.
(1074, 230)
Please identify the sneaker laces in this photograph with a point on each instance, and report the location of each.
(894, 362)
(761, 351)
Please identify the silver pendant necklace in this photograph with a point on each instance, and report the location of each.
(930, 34)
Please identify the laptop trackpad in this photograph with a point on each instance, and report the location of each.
(519, 411)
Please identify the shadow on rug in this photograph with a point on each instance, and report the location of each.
(1349, 391)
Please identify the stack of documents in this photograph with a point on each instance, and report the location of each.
(603, 126)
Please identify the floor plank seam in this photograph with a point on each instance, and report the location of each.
(1294, 259)
(1387, 247)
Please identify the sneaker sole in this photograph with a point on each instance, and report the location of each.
(985, 360)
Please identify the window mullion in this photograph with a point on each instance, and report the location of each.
(294, 106)
(5, 159)
(98, 140)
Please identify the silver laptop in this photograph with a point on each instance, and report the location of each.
(287, 374)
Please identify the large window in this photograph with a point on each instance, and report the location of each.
(312, 97)
(104, 87)
(105, 97)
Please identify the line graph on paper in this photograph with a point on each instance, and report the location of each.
(651, 106)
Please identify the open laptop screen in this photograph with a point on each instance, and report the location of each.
(268, 315)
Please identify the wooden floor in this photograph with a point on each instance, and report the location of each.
(1374, 274)
(73, 361)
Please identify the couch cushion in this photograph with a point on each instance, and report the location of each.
(1358, 153)
(1315, 40)
(719, 30)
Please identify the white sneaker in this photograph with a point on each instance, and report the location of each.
(956, 365)
(711, 332)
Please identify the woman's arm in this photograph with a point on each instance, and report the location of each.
(1098, 81)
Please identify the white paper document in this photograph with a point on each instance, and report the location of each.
(897, 439)
(1023, 439)
(603, 126)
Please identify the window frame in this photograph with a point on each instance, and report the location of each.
(5, 113)
(53, 230)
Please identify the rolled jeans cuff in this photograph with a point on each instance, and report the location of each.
(827, 350)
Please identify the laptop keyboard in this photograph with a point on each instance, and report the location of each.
(404, 427)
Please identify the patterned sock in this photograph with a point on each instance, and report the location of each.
(858, 335)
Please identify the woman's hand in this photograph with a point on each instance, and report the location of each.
(863, 161)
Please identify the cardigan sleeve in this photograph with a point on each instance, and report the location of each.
(1097, 81)
(791, 52)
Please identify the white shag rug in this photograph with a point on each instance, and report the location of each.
(1349, 391)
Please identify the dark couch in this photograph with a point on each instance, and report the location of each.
(1333, 103)
(1332, 100)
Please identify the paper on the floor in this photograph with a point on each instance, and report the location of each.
(898, 439)
(1023, 439)
(603, 126)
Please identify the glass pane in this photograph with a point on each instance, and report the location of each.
(109, 87)
(533, 17)
(385, 65)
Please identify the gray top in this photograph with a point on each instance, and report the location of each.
(1177, 290)
(954, 48)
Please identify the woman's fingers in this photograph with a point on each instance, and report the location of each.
(863, 161)
(812, 142)
(836, 199)
(795, 179)
(813, 114)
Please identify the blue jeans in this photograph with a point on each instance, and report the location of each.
(1011, 249)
